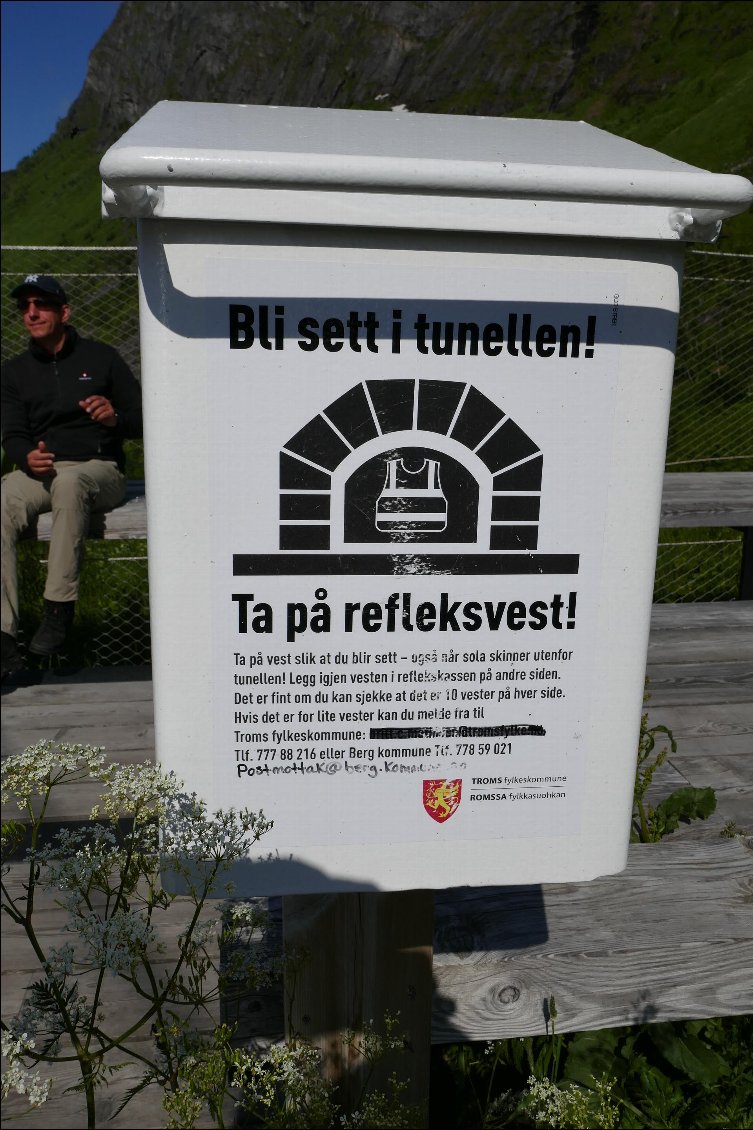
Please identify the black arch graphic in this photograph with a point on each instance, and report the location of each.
(373, 409)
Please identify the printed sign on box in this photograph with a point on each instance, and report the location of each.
(411, 492)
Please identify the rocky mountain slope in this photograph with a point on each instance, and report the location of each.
(674, 75)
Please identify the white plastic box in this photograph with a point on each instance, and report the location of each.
(407, 380)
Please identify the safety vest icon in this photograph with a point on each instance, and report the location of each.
(411, 501)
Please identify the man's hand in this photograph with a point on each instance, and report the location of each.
(100, 410)
(41, 461)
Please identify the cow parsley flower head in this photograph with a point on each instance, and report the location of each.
(570, 1106)
(117, 942)
(140, 791)
(74, 860)
(31, 774)
(59, 963)
(285, 1082)
(190, 832)
(106, 876)
(18, 1077)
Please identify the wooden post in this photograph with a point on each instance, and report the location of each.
(746, 565)
(366, 954)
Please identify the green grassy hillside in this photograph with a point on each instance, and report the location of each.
(53, 198)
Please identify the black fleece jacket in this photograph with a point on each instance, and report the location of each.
(41, 394)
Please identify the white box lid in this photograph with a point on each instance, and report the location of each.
(211, 161)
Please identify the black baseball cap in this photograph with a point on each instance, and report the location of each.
(45, 284)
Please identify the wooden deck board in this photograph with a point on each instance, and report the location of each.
(546, 917)
(674, 684)
(688, 722)
(725, 772)
(701, 633)
(592, 990)
(693, 499)
(604, 949)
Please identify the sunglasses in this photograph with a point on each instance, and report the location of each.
(40, 303)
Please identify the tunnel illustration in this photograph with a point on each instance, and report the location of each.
(403, 461)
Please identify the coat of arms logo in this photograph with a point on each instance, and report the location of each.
(441, 798)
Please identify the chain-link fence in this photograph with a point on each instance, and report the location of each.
(111, 627)
(711, 427)
(695, 565)
(101, 285)
(711, 423)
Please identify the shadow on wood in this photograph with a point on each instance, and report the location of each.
(363, 955)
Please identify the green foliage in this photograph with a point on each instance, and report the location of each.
(682, 806)
(53, 198)
(649, 760)
(692, 1074)
(675, 94)
(202, 1079)
(133, 450)
(650, 824)
(285, 1085)
(731, 830)
(712, 396)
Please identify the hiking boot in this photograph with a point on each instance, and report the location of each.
(11, 660)
(50, 635)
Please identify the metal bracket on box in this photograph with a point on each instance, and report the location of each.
(130, 200)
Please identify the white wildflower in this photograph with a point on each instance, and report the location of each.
(288, 1076)
(202, 934)
(569, 1106)
(189, 833)
(141, 791)
(59, 962)
(115, 943)
(18, 1077)
(251, 914)
(32, 773)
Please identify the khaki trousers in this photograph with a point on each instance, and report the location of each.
(76, 490)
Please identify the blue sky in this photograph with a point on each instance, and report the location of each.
(45, 51)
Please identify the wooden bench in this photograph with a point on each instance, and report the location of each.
(125, 522)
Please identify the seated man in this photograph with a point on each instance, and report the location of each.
(67, 405)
